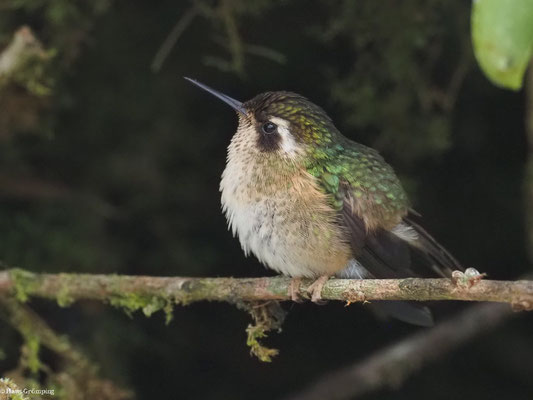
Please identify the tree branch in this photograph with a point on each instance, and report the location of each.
(153, 293)
(256, 295)
(76, 374)
(172, 38)
(391, 366)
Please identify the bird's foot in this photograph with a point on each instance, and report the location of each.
(294, 290)
(468, 278)
(315, 289)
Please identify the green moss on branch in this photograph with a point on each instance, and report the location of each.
(259, 296)
(155, 293)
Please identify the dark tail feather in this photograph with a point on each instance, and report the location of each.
(440, 259)
(405, 311)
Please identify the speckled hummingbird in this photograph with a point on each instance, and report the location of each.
(308, 202)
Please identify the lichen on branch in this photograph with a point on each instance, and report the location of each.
(258, 296)
(150, 293)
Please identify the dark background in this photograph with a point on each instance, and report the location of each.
(132, 159)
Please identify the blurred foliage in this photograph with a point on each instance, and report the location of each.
(23, 62)
(115, 169)
(72, 376)
(404, 61)
(502, 33)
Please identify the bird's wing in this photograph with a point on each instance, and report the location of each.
(375, 212)
(405, 251)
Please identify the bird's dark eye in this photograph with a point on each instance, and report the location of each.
(269, 128)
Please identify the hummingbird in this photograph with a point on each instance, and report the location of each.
(310, 203)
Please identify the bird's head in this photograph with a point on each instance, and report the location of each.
(281, 123)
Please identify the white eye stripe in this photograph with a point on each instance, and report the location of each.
(280, 122)
(288, 144)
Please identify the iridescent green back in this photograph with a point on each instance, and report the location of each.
(349, 168)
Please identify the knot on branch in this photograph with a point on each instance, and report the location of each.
(522, 305)
(352, 295)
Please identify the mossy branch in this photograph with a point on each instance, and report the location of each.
(154, 293)
(259, 296)
(74, 373)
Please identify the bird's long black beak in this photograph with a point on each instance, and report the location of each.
(235, 104)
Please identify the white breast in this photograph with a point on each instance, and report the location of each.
(255, 219)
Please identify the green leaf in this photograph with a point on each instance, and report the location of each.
(502, 35)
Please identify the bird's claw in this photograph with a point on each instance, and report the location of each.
(468, 278)
(315, 289)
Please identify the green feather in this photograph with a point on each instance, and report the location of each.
(351, 169)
